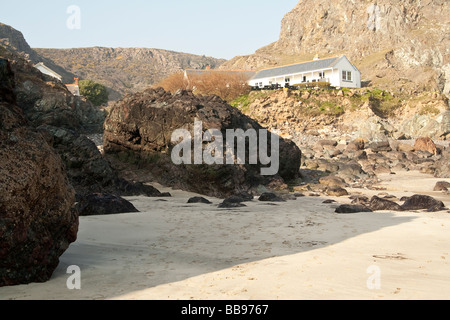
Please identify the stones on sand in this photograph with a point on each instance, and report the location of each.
(442, 186)
(423, 202)
(377, 204)
(103, 204)
(352, 208)
(336, 191)
(199, 200)
(270, 197)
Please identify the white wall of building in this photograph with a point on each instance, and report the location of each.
(332, 75)
(345, 65)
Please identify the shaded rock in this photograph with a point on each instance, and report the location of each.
(141, 126)
(37, 218)
(380, 146)
(425, 144)
(442, 186)
(336, 191)
(377, 204)
(88, 171)
(103, 204)
(271, 197)
(352, 208)
(420, 202)
(359, 199)
(245, 196)
(228, 204)
(199, 200)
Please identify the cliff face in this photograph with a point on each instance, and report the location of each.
(401, 43)
(125, 70)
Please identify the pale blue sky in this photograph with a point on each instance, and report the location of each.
(218, 28)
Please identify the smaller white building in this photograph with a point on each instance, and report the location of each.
(337, 71)
(46, 70)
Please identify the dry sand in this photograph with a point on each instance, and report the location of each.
(295, 250)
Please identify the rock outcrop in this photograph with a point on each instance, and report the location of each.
(139, 130)
(37, 217)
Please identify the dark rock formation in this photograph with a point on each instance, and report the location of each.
(352, 208)
(139, 129)
(270, 197)
(199, 200)
(37, 218)
(420, 202)
(102, 204)
(232, 202)
(88, 170)
(377, 204)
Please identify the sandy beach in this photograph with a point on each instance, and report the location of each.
(299, 249)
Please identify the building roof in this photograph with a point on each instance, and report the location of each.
(297, 68)
(44, 69)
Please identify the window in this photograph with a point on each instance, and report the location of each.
(287, 80)
(347, 76)
(304, 78)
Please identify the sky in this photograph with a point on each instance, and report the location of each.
(216, 28)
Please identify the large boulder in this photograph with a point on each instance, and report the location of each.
(139, 129)
(422, 202)
(37, 217)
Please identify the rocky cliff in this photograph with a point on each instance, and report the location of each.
(125, 70)
(399, 44)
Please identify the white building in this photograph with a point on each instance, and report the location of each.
(46, 70)
(338, 71)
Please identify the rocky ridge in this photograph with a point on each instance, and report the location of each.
(125, 70)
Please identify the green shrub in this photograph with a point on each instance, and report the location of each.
(94, 92)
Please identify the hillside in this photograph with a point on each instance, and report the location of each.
(125, 70)
(14, 41)
(398, 45)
